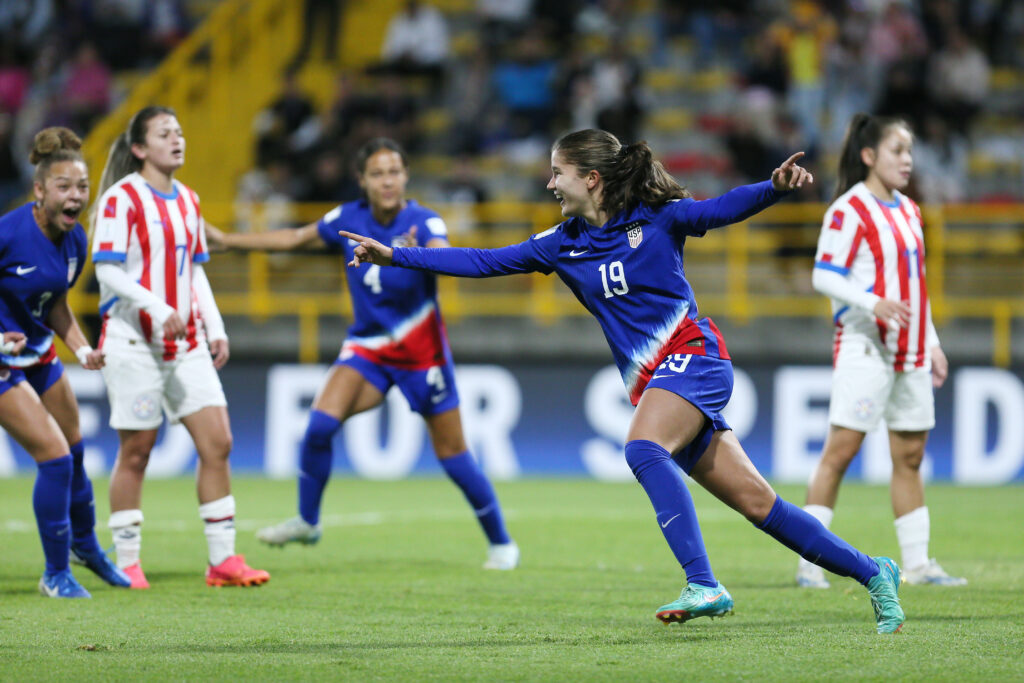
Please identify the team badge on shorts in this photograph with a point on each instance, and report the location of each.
(864, 408)
(145, 407)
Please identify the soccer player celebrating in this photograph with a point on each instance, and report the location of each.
(886, 353)
(42, 251)
(397, 338)
(163, 336)
(621, 254)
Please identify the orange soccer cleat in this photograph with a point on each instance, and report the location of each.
(235, 572)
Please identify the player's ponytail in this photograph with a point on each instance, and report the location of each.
(53, 145)
(864, 131)
(631, 174)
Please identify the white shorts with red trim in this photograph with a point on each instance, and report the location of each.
(141, 385)
(866, 389)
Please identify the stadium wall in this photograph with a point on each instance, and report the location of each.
(542, 419)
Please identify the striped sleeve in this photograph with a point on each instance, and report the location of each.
(114, 216)
(840, 237)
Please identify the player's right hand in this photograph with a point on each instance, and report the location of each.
(13, 343)
(368, 250)
(174, 328)
(894, 314)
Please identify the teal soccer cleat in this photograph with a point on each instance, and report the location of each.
(697, 601)
(61, 585)
(883, 588)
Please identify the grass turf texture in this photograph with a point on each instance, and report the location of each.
(394, 591)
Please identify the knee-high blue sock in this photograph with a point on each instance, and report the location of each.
(83, 508)
(467, 475)
(802, 533)
(315, 463)
(660, 477)
(50, 500)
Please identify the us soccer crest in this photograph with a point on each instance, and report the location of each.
(636, 236)
(72, 267)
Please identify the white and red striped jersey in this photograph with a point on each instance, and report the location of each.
(157, 237)
(878, 247)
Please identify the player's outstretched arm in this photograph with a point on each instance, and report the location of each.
(286, 239)
(368, 250)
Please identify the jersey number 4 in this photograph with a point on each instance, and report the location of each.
(615, 273)
(372, 279)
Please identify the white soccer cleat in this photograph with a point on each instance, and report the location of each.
(811, 576)
(294, 530)
(931, 574)
(503, 556)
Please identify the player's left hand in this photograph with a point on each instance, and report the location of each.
(789, 176)
(220, 352)
(368, 250)
(940, 366)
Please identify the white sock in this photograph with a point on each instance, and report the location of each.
(126, 528)
(912, 531)
(219, 518)
(823, 515)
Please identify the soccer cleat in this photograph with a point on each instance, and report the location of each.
(882, 588)
(235, 572)
(61, 584)
(931, 574)
(135, 575)
(294, 530)
(697, 601)
(99, 564)
(811, 576)
(502, 556)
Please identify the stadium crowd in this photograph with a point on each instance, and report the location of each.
(782, 74)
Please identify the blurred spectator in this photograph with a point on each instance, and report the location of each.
(463, 190)
(766, 68)
(616, 80)
(394, 112)
(329, 182)
(524, 84)
(327, 15)
(717, 28)
(940, 163)
(898, 41)
(501, 22)
(11, 185)
(14, 79)
(167, 24)
(851, 77)
(416, 43)
(264, 198)
(293, 106)
(118, 29)
(87, 86)
(470, 98)
(806, 38)
(958, 79)
(24, 23)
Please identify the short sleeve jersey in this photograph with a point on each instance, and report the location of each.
(879, 246)
(397, 318)
(34, 273)
(157, 236)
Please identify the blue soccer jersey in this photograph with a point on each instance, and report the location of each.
(34, 272)
(628, 274)
(397, 319)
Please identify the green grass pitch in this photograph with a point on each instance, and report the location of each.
(395, 591)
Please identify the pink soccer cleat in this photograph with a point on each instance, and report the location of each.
(134, 572)
(235, 572)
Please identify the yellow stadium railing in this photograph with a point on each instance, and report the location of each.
(756, 269)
